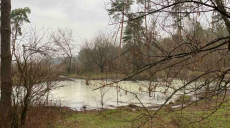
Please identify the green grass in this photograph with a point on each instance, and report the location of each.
(95, 120)
(107, 119)
(123, 118)
(195, 116)
(183, 99)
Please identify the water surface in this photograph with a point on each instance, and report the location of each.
(76, 94)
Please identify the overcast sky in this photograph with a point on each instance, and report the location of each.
(85, 17)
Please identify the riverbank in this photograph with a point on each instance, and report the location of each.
(98, 76)
(193, 115)
(126, 117)
(115, 76)
(104, 76)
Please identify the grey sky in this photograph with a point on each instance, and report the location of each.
(85, 17)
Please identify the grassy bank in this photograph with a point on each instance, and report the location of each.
(97, 76)
(140, 76)
(125, 117)
(102, 76)
(193, 116)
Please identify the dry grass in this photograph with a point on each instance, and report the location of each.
(47, 117)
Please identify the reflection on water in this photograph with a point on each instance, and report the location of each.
(76, 94)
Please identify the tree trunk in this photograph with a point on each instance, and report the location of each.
(226, 20)
(121, 34)
(6, 82)
(25, 108)
(102, 69)
(70, 64)
(23, 115)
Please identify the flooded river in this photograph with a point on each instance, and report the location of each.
(76, 94)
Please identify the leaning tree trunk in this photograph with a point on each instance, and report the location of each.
(25, 108)
(6, 82)
(23, 115)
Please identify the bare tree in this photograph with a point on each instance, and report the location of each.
(100, 50)
(35, 80)
(63, 38)
(34, 73)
